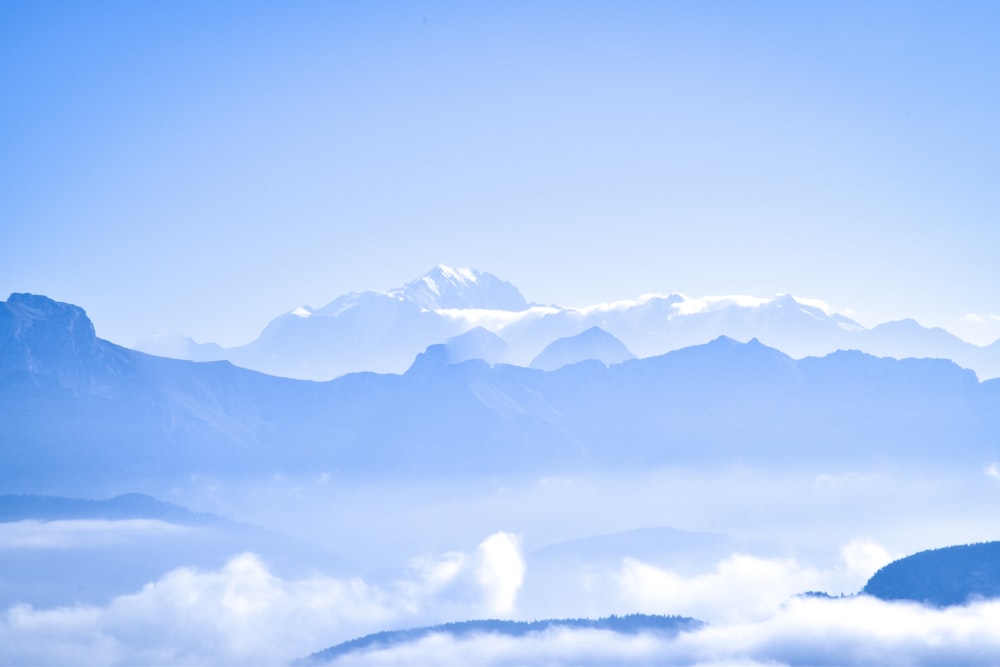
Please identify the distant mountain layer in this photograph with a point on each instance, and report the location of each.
(129, 540)
(676, 549)
(631, 624)
(77, 409)
(593, 344)
(381, 331)
(369, 331)
(477, 343)
(941, 577)
(127, 506)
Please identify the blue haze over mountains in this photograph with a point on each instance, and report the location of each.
(382, 331)
(74, 401)
(617, 475)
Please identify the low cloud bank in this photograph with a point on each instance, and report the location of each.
(243, 614)
(76, 533)
(741, 587)
(844, 632)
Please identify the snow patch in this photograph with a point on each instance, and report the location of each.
(431, 285)
(461, 274)
(815, 303)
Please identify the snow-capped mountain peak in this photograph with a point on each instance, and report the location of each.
(383, 330)
(460, 274)
(445, 287)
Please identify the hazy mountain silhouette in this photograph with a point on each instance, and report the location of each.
(129, 540)
(444, 287)
(75, 409)
(477, 343)
(941, 577)
(630, 624)
(372, 330)
(593, 344)
(679, 550)
(382, 331)
(126, 506)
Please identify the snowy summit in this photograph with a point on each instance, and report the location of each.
(445, 287)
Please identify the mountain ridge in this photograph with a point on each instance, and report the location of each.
(943, 577)
(593, 344)
(628, 624)
(132, 415)
(382, 331)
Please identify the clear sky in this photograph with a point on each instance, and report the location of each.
(201, 167)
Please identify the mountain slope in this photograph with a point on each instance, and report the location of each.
(82, 411)
(477, 343)
(382, 331)
(356, 649)
(125, 506)
(942, 577)
(373, 331)
(593, 344)
(444, 287)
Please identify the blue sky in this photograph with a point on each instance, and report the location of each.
(202, 167)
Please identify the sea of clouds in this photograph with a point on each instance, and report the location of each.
(245, 614)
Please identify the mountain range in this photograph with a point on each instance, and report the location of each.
(72, 403)
(381, 331)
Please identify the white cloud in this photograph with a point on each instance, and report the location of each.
(243, 614)
(493, 320)
(742, 587)
(863, 558)
(981, 318)
(239, 614)
(706, 304)
(500, 571)
(438, 572)
(624, 304)
(993, 470)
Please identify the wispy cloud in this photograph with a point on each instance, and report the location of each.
(981, 318)
(243, 614)
(66, 534)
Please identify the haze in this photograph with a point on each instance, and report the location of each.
(199, 168)
(418, 454)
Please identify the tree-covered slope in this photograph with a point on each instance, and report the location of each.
(949, 576)
(630, 624)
